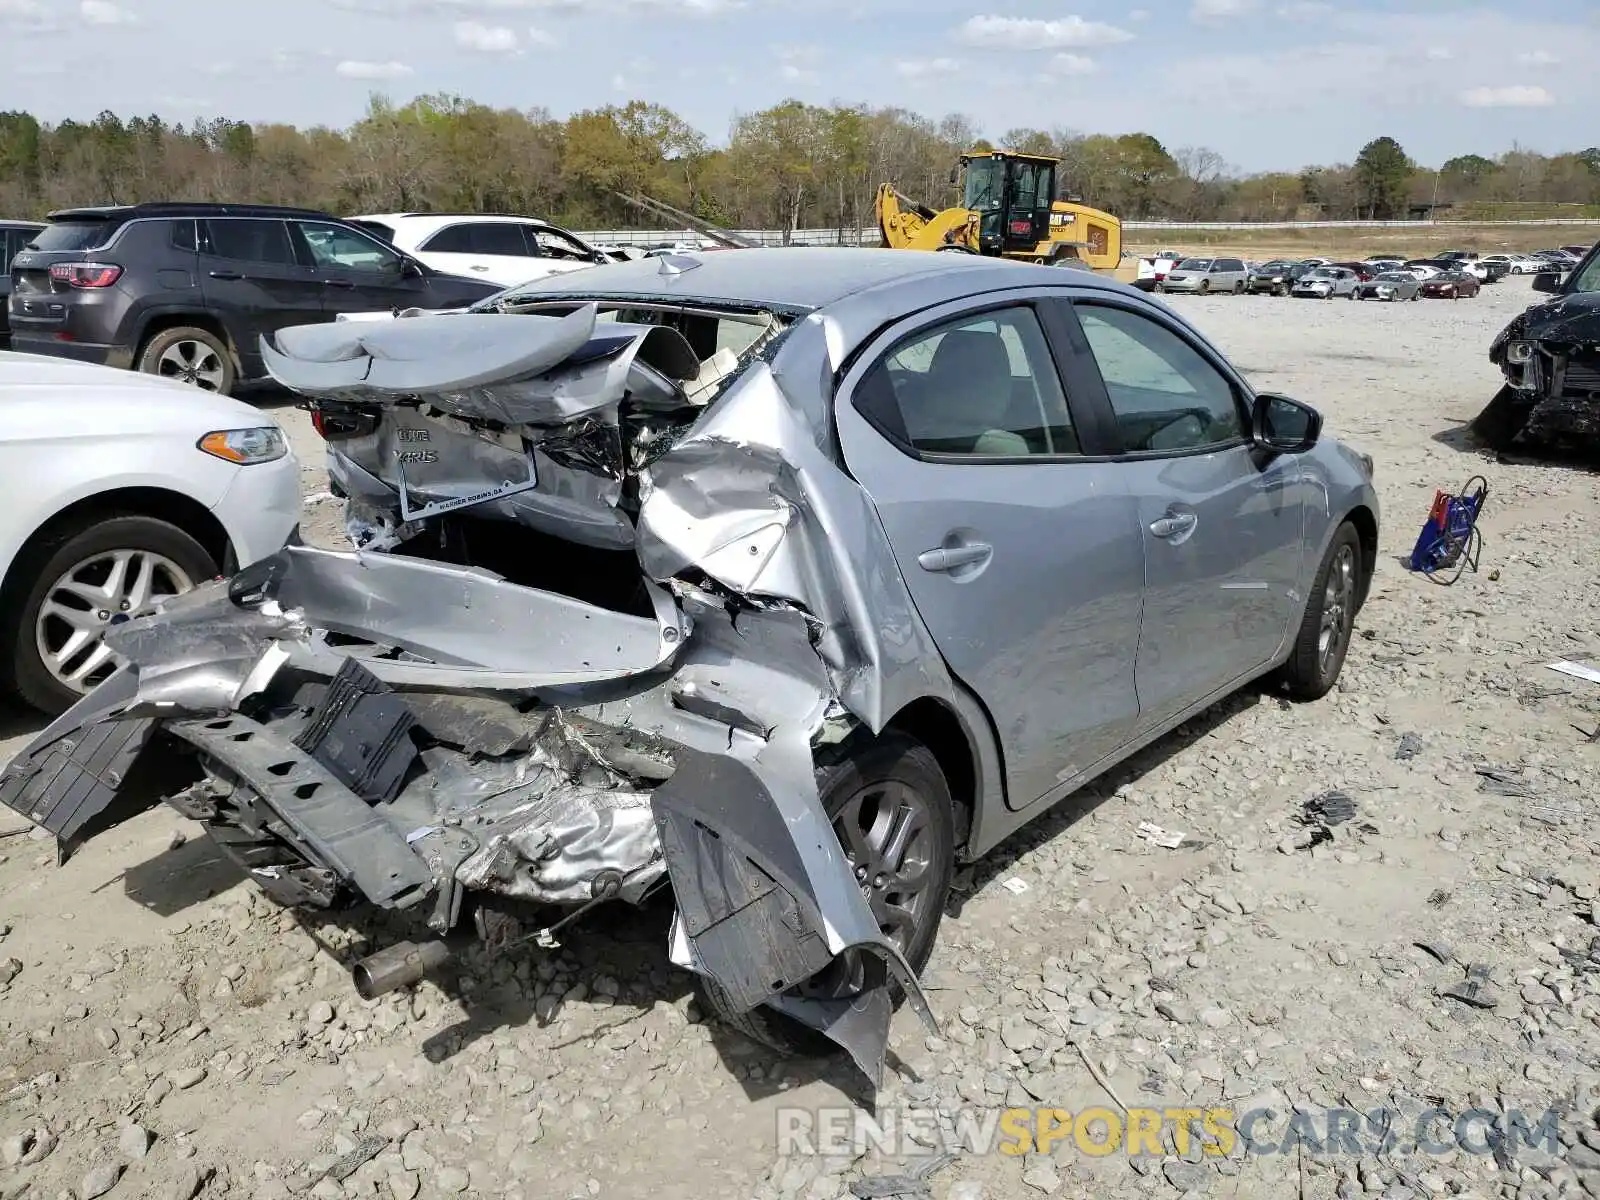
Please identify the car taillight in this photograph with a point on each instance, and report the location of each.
(85, 275)
(316, 422)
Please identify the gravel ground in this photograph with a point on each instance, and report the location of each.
(167, 1032)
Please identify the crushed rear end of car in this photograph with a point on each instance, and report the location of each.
(610, 596)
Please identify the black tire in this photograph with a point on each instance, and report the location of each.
(892, 758)
(1238, 289)
(1313, 666)
(209, 361)
(1205, 286)
(41, 566)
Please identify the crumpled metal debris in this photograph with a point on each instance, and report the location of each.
(1473, 991)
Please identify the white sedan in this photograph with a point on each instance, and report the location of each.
(121, 490)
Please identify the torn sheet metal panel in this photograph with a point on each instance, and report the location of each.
(468, 623)
(749, 491)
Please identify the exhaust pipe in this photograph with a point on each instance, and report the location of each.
(399, 966)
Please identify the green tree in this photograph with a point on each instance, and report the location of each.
(1382, 173)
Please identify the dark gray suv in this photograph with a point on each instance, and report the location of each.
(187, 290)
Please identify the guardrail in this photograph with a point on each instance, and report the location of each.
(869, 237)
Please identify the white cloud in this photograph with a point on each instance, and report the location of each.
(796, 74)
(222, 67)
(1026, 33)
(485, 39)
(1537, 58)
(1072, 64)
(1304, 10)
(926, 68)
(103, 12)
(355, 69)
(541, 37)
(1439, 53)
(1507, 97)
(26, 16)
(1221, 10)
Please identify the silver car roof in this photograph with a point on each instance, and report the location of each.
(805, 278)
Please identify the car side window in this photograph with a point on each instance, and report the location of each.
(247, 239)
(452, 239)
(1166, 396)
(184, 237)
(333, 247)
(976, 386)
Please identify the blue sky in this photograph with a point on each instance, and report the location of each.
(1268, 83)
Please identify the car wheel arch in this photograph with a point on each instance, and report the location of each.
(158, 322)
(164, 504)
(1366, 523)
(960, 734)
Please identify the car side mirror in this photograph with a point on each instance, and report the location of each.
(1284, 425)
(410, 268)
(1547, 281)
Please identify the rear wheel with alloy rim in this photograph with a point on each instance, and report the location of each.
(895, 820)
(86, 578)
(190, 355)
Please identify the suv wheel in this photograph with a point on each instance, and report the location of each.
(95, 573)
(892, 811)
(190, 355)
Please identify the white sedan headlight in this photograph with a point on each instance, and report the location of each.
(245, 446)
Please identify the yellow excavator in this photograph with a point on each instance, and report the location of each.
(1008, 210)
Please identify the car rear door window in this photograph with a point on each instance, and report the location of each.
(1167, 397)
(976, 386)
(72, 235)
(247, 239)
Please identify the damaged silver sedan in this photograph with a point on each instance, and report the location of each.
(785, 579)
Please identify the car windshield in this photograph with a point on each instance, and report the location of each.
(70, 235)
(1321, 275)
(1393, 277)
(1273, 266)
(1588, 279)
(1194, 264)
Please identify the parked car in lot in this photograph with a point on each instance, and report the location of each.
(186, 290)
(1325, 283)
(502, 250)
(1363, 271)
(14, 235)
(121, 490)
(788, 654)
(1390, 285)
(1204, 275)
(1153, 268)
(1451, 285)
(1275, 277)
(1513, 264)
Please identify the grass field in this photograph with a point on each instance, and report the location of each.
(1359, 243)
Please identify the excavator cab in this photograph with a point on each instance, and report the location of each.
(1012, 195)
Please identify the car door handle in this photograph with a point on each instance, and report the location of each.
(1173, 524)
(476, 267)
(226, 275)
(338, 283)
(950, 558)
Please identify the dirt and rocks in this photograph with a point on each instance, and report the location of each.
(167, 1032)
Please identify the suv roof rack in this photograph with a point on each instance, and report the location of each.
(486, 215)
(163, 208)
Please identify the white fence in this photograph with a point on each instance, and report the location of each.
(869, 236)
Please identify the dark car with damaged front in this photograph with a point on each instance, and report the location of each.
(1549, 355)
(782, 580)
